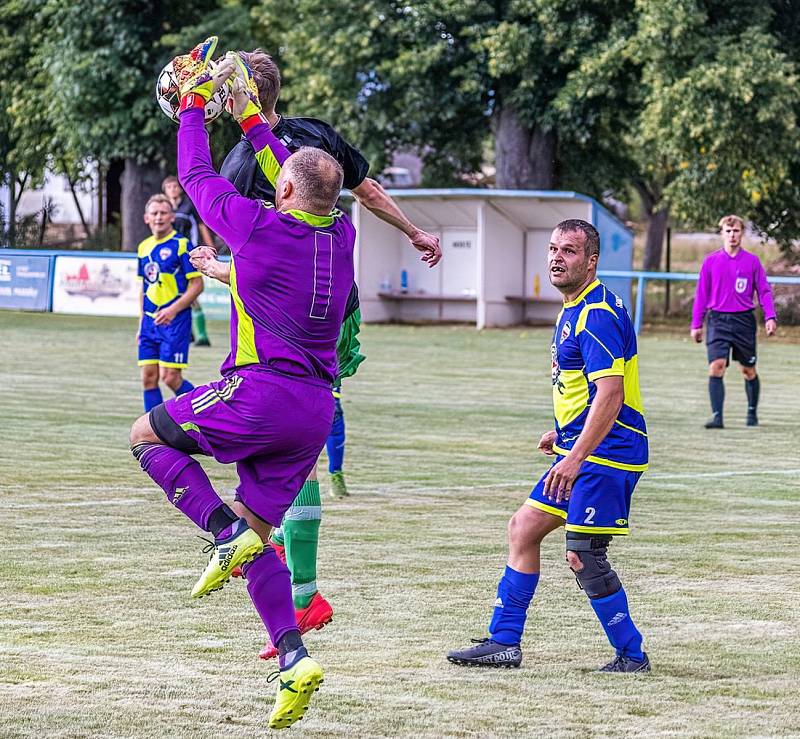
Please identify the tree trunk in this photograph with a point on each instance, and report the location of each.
(113, 182)
(525, 158)
(139, 182)
(76, 200)
(12, 209)
(654, 240)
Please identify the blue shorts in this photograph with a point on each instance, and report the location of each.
(166, 345)
(600, 501)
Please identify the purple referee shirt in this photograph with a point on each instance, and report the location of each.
(291, 272)
(727, 284)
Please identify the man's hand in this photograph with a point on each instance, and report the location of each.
(197, 74)
(244, 102)
(560, 478)
(547, 441)
(428, 244)
(204, 260)
(771, 327)
(164, 316)
(697, 335)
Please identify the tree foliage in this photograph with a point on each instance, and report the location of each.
(691, 103)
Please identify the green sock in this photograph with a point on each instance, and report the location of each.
(199, 324)
(277, 536)
(301, 535)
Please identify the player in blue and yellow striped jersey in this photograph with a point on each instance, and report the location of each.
(169, 286)
(600, 449)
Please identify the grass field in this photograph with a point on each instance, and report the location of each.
(99, 638)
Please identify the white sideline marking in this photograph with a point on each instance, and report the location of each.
(655, 476)
(438, 488)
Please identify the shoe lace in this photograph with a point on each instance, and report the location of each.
(479, 641)
(273, 676)
(209, 547)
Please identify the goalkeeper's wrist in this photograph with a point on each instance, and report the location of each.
(192, 100)
(249, 122)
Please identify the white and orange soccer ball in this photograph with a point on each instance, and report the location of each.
(169, 100)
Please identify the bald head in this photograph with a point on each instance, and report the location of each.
(315, 178)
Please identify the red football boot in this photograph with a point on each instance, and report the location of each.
(313, 617)
(280, 550)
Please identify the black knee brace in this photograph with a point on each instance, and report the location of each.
(596, 579)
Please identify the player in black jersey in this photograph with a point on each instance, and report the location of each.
(240, 167)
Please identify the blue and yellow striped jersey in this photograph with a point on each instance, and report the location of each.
(594, 338)
(165, 270)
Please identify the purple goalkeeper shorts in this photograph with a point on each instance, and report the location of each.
(272, 426)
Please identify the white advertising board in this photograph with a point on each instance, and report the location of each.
(99, 286)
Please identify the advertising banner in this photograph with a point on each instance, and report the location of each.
(25, 282)
(102, 286)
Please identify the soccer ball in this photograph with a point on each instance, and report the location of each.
(169, 100)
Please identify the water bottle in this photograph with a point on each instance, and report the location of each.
(404, 281)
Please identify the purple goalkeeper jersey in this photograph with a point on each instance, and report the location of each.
(727, 284)
(291, 272)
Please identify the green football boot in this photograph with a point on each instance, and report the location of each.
(242, 545)
(295, 688)
(338, 486)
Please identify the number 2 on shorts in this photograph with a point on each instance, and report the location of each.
(323, 274)
(589, 515)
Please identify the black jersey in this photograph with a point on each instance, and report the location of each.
(186, 220)
(241, 169)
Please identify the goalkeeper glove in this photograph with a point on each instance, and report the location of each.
(198, 77)
(244, 91)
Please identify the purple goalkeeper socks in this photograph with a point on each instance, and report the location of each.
(270, 589)
(183, 480)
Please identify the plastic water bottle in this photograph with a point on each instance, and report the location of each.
(404, 281)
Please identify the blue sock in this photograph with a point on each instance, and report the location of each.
(335, 443)
(612, 612)
(185, 387)
(514, 594)
(152, 398)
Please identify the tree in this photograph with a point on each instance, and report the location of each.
(102, 97)
(24, 132)
(716, 125)
(442, 75)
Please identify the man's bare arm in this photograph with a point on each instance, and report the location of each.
(374, 198)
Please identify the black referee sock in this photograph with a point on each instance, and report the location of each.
(752, 388)
(716, 391)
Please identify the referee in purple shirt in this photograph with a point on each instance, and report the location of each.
(728, 278)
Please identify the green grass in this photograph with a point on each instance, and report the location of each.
(100, 637)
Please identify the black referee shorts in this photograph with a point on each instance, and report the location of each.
(734, 332)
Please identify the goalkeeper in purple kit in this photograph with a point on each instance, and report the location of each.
(292, 270)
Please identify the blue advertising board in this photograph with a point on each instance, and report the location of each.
(25, 281)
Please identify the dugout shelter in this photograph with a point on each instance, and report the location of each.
(494, 270)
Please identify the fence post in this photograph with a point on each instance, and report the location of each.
(637, 324)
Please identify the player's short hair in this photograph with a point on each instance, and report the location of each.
(731, 220)
(267, 77)
(159, 197)
(168, 181)
(317, 178)
(591, 239)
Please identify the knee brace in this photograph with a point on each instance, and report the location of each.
(596, 578)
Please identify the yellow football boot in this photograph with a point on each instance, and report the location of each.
(235, 550)
(295, 688)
